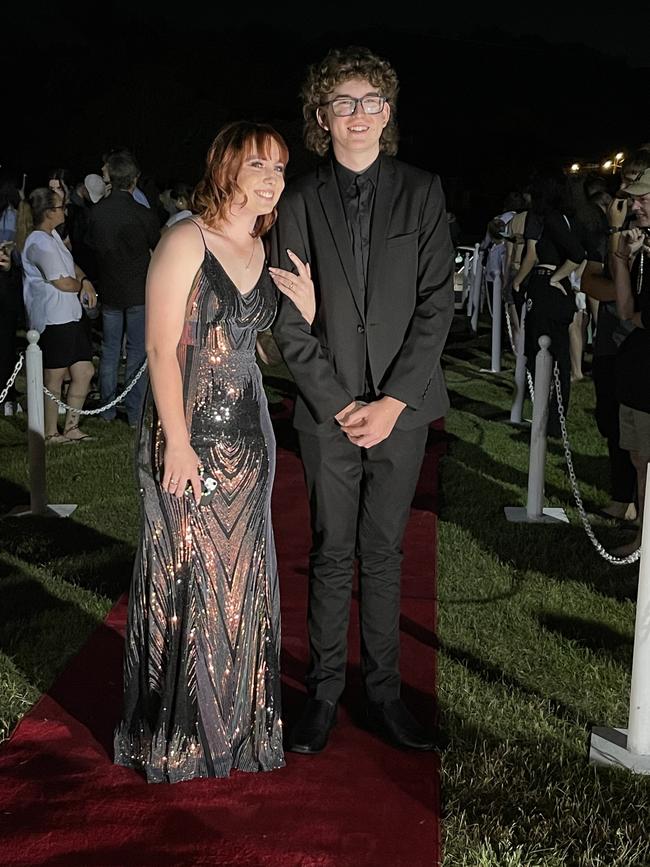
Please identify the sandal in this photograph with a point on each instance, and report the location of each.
(76, 439)
(58, 439)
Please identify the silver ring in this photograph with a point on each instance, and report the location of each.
(291, 285)
(173, 481)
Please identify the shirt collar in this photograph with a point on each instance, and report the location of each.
(346, 177)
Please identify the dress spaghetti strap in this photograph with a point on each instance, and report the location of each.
(200, 230)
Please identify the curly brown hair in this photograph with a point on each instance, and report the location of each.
(342, 64)
(217, 188)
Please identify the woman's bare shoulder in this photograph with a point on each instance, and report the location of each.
(183, 238)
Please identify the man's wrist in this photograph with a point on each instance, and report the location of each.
(396, 405)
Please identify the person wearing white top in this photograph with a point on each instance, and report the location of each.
(52, 285)
(180, 198)
(175, 218)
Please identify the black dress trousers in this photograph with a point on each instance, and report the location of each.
(360, 501)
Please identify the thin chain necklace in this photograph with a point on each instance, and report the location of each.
(250, 258)
(639, 280)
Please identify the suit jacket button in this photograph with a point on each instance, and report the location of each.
(360, 329)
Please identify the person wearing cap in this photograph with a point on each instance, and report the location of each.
(598, 284)
(630, 268)
(84, 196)
(95, 187)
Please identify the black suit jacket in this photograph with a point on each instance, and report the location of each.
(401, 324)
(122, 233)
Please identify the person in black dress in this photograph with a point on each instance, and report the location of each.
(550, 297)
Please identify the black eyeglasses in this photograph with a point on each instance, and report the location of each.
(57, 208)
(343, 106)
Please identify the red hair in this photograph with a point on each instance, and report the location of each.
(217, 189)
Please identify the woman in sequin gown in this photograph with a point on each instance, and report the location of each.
(201, 663)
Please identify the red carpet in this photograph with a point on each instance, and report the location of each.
(361, 802)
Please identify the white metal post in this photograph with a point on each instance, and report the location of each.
(537, 456)
(638, 736)
(631, 748)
(470, 282)
(38, 504)
(477, 280)
(35, 425)
(535, 511)
(466, 276)
(496, 323)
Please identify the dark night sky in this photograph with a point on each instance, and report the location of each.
(484, 98)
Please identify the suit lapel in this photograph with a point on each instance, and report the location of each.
(381, 214)
(330, 199)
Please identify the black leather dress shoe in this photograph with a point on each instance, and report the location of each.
(310, 733)
(394, 722)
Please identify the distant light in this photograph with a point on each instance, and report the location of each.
(575, 167)
(607, 164)
(619, 156)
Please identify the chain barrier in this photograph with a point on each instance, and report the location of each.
(100, 409)
(615, 561)
(12, 378)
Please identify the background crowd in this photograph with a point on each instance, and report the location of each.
(570, 251)
(96, 231)
(557, 241)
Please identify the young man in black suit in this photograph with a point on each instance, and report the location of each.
(374, 232)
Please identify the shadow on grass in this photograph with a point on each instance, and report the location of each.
(560, 551)
(73, 551)
(480, 408)
(11, 495)
(592, 635)
(478, 462)
(590, 469)
(495, 675)
(39, 631)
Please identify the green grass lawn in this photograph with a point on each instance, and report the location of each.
(536, 635)
(535, 628)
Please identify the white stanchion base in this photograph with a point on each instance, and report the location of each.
(519, 515)
(489, 370)
(609, 747)
(52, 511)
(524, 423)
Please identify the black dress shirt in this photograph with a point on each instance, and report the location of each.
(122, 234)
(358, 195)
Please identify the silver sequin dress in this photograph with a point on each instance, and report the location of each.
(201, 661)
